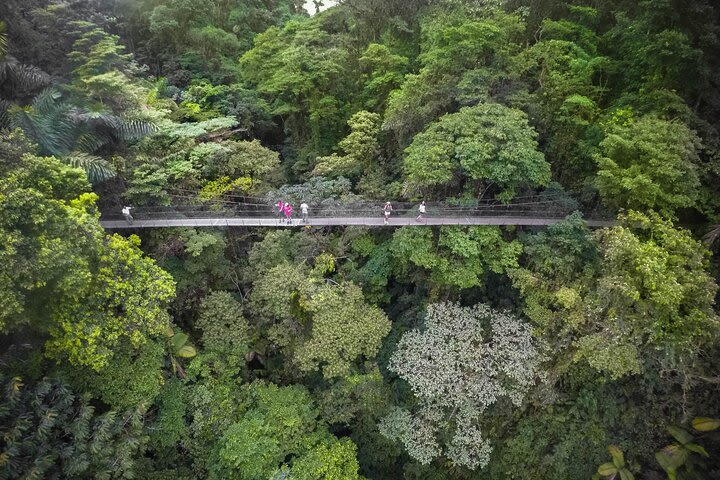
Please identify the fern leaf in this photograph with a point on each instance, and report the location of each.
(90, 142)
(136, 129)
(97, 169)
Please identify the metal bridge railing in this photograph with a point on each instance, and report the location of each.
(189, 206)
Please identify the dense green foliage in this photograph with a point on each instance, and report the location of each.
(489, 142)
(453, 352)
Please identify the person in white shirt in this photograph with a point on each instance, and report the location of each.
(126, 214)
(304, 209)
(387, 209)
(421, 210)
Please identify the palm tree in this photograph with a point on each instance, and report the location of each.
(74, 133)
(712, 236)
(15, 77)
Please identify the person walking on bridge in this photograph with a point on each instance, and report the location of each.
(126, 213)
(387, 210)
(280, 205)
(421, 211)
(304, 209)
(288, 210)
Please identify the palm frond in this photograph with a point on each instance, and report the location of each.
(97, 169)
(136, 129)
(112, 127)
(47, 123)
(5, 71)
(3, 40)
(17, 77)
(97, 118)
(46, 102)
(24, 119)
(29, 77)
(59, 127)
(712, 236)
(4, 114)
(89, 142)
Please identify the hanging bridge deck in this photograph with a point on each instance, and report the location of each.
(340, 221)
(184, 209)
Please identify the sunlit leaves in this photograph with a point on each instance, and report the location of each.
(344, 328)
(653, 290)
(649, 164)
(280, 425)
(456, 256)
(92, 292)
(124, 300)
(617, 467)
(359, 147)
(198, 129)
(704, 424)
(488, 142)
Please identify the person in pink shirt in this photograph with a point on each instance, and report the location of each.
(287, 210)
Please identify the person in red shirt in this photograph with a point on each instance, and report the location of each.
(288, 210)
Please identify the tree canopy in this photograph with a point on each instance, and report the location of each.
(586, 348)
(490, 143)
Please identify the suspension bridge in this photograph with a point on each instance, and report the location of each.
(187, 210)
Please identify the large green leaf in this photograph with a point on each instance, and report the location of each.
(671, 458)
(704, 424)
(667, 463)
(97, 169)
(617, 456)
(680, 434)
(626, 475)
(607, 469)
(186, 351)
(175, 364)
(178, 340)
(694, 447)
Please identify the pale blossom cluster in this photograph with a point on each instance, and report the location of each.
(462, 362)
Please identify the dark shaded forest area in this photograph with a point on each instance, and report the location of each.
(416, 352)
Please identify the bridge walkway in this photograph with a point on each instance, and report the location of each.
(338, 221)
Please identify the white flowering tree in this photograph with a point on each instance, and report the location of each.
(464, 360)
